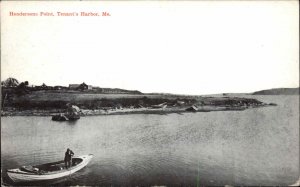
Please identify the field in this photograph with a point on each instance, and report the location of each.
(59, 99)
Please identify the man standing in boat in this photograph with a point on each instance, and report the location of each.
(68, 158)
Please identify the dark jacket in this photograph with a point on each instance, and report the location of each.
(68, 155)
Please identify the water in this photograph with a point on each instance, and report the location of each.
(252, 147)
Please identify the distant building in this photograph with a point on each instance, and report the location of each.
(82, 86)
(73, 86)
(97, 89)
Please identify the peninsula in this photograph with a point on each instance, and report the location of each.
(21, 99)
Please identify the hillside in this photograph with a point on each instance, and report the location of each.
(278, 91)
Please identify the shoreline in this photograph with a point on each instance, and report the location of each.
(127, 111)
(49, 103)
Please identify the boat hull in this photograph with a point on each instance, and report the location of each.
(20, 176)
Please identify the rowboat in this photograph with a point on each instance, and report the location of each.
(48, 171)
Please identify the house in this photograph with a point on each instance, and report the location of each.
(81, 86)
(73, 86)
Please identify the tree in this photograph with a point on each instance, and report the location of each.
(10, 82)
(22, 88)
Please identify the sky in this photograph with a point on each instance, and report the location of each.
(182, 47)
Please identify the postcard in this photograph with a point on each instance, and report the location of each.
(150, 93)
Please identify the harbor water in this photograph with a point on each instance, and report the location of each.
(258, 146)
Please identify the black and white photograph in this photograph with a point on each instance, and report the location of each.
(150, 93)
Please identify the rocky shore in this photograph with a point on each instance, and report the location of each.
(120, 111)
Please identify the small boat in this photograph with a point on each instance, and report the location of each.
(61, 117)
(48, 171)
